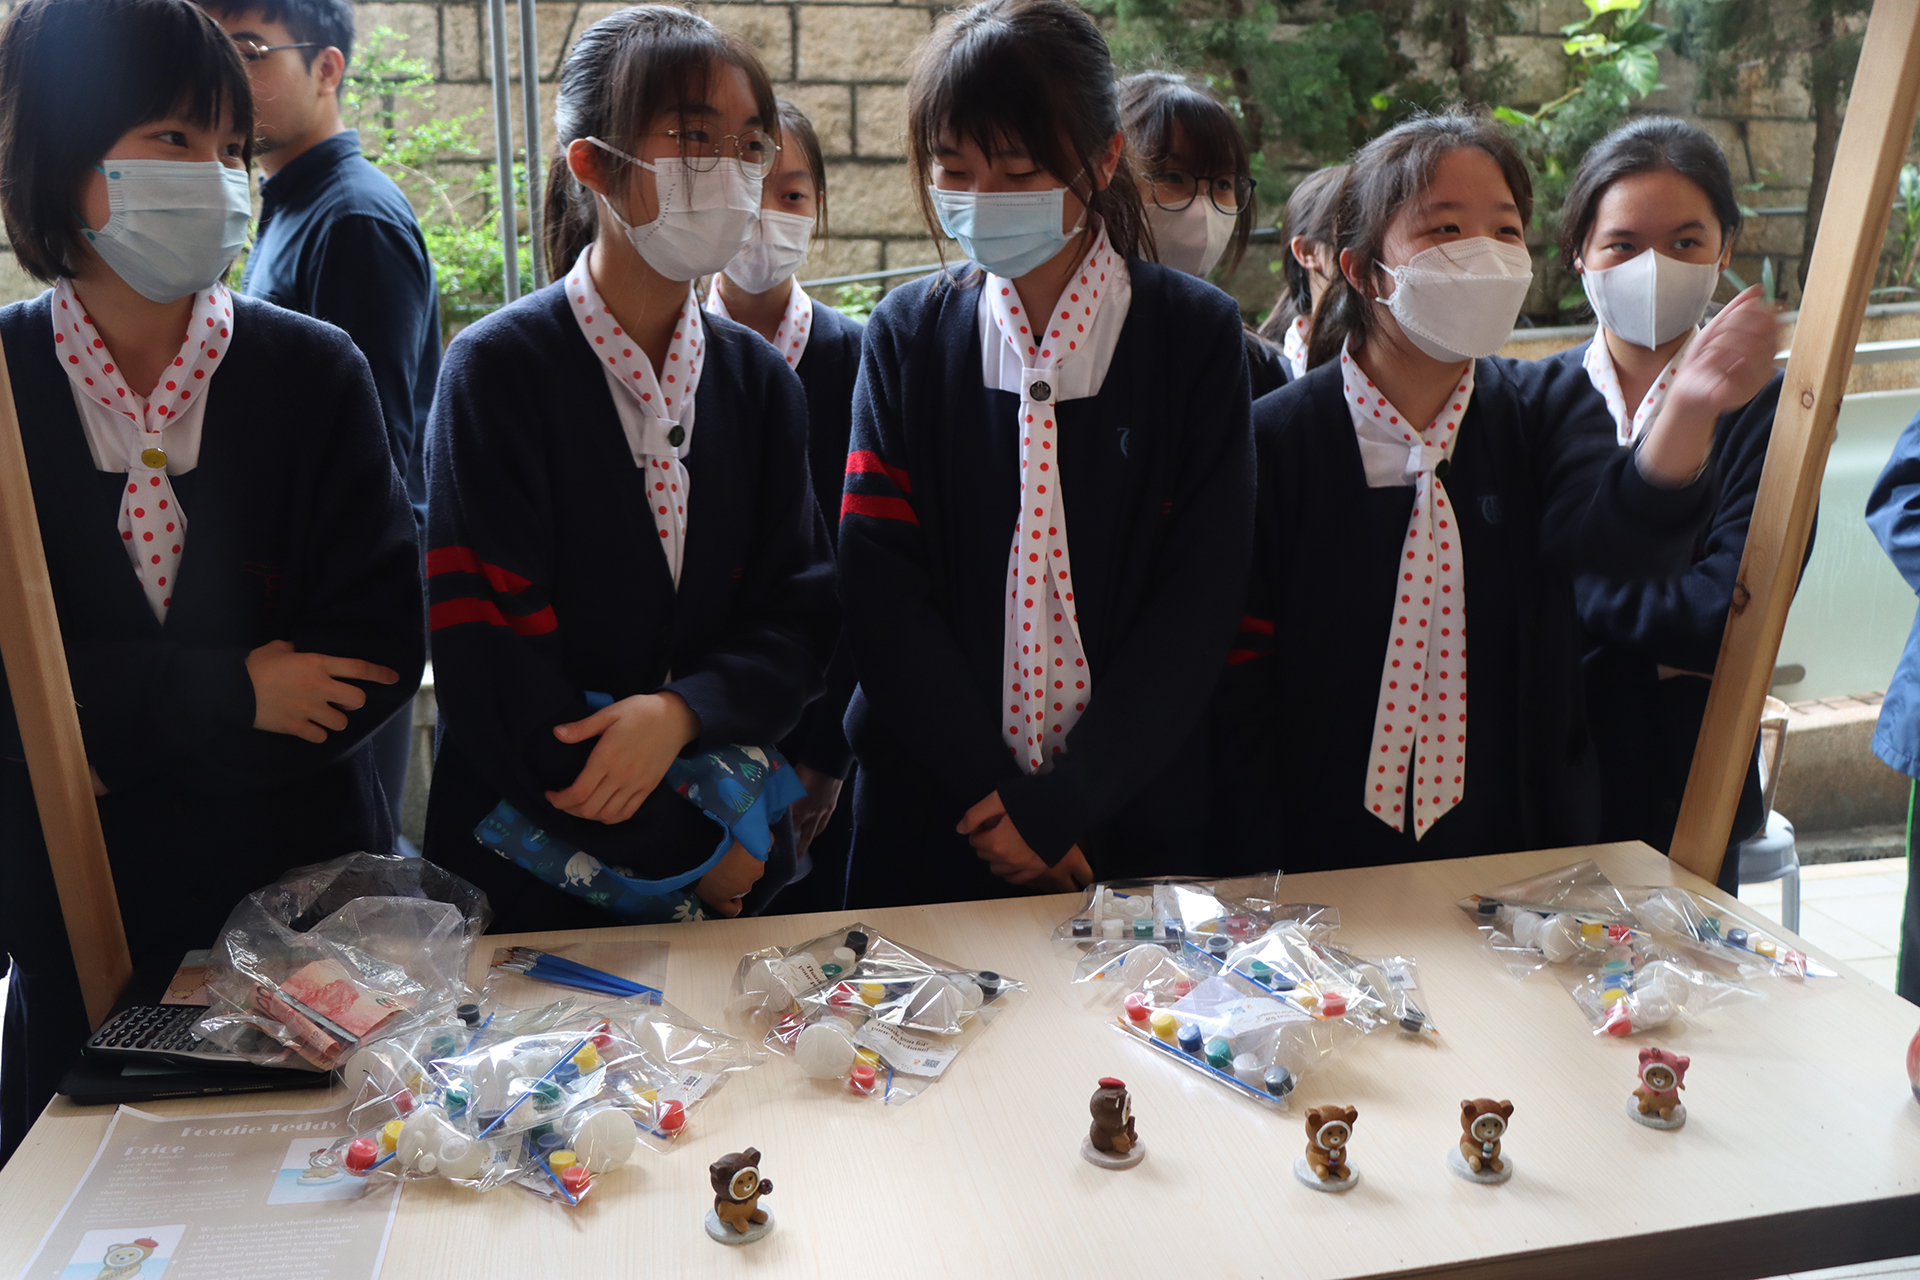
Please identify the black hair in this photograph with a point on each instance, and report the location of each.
(797, 131)
(623, 71)
(1156, 103)
(322, 23)
(1310, 216)
(1646, 145)
(1388, 172)
(1035, 72)
(75, 75)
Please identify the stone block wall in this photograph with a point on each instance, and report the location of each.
(845, 63)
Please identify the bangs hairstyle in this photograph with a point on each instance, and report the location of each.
(1310, 215)
(625, 70)
(1034, 74)
(797, 131)
(1647, 145)
(75, 75)
(1387, 174)
(1153, 105)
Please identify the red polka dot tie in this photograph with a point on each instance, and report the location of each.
(1048, 681)
(1598, 362)
(790, 335)
(152, 525)
(664, 404)
(1418, 758)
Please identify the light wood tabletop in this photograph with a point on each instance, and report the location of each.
(1802, 1146)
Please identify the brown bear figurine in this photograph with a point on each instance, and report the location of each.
(737, 1188)
(1482, 1121)
(1112, 1129)
(1328, 1129)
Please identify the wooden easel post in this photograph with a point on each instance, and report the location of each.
(42, 690)
(1873, 142)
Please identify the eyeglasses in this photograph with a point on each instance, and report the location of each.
(1175, 189)
(703, 149)
(252, 50)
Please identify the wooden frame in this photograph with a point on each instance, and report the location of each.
(1853, 225)
(42, 690)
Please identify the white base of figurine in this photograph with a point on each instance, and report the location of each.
(1304, 1171)
(727, 1235)
(1458, 1163)
(1654, 1121)
(1112, 1159)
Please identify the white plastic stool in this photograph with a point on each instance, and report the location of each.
(1770, 856)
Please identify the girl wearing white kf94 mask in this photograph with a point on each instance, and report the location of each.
(626, 569)
(1409, 684)
(1649, 223)
(1198, 189)
(761, 289)
(231, 554)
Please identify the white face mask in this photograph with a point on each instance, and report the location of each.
(704, 218)
(777, 250)
(1458, 301)
(176, 225)
(1194, 239)
(1651, 298)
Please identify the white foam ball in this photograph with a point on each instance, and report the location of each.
(825, 1049)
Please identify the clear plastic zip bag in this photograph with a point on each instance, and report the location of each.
(1172, 908)
(858, 1009)
(1718, 936)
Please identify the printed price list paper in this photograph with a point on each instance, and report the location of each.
(214, 1197)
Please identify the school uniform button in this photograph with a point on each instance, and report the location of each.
(154, 458)
(1041, 390)
(1441, 468)
(677, 436)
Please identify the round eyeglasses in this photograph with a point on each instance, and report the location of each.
(252, 50)
(702, 149)
(1175, 189)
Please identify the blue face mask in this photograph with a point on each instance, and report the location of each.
(1007, 232)
(176, 225)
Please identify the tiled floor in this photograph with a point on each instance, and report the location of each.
(1851, 910)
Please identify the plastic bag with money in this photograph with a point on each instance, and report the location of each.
(336, 956)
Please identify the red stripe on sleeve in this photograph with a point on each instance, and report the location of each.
(1234, 657)
(451, 613)
(865, 504)
(867, 462)
(1258, 626)
(462, 560)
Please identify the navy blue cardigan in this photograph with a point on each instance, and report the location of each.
(1543, 492)
(1644, 728)
(299, 530)
(546, 580)
(828, 369)
(1157, 473)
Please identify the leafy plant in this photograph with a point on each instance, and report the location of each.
(856, 301)
(1613, 61)
(1902, 258)
(388, 96)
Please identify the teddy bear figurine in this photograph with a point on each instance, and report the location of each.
(1112, 1142)
(736, 1216)
(1656, 1103)
(1476, 1157)
(1324, 1167)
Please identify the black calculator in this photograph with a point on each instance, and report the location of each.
(159, 1033)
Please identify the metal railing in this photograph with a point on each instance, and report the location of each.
(503, 141)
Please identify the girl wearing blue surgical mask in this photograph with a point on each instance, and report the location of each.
(631, 590)
(230, 551)
(1649, 224)
(760, 288)
(1421, 500)
(1048, 496)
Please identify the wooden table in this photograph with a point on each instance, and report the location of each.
(1802, 1146)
